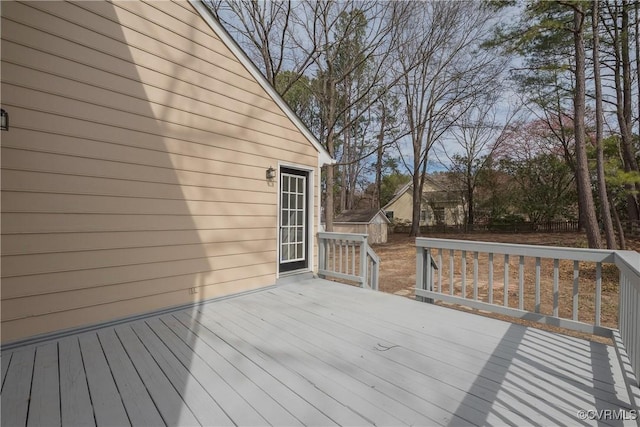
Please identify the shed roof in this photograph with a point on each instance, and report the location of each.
(359, 216)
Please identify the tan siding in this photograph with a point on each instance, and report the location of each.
(19, 265)
(23, 244)
(23, 181)
(402, 208)
(19, 328)
(105, 147)
(133, 174)
(28, 222)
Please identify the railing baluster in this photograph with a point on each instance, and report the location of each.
(556, 286)
(521, 283)
(353, 259)
(333, 252)
(440, 270)
(463, 261)
(506, 280)
(490, 277)
(598, 292)
(576, 289)
(537, 297)
(451, 271)
(475, 276)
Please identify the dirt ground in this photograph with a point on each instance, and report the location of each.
(398, 275)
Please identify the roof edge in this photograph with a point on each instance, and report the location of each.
(205, 13)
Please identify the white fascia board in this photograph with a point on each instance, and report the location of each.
(205, 13)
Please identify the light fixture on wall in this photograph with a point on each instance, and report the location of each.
(4, 120)
(271, 173)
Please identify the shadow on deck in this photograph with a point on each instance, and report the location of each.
(321, 353)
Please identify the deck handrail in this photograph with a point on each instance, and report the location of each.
(340, 256)
(430, 285)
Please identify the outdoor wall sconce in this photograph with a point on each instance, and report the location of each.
(271, 173)
(4, 120)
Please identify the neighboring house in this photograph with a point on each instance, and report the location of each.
(440, 205)
(366, 221)
(148, 164)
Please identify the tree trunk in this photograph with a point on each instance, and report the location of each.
(637, 32)
(585, 199)
(330, 176)
(622, 79)
(417, 199)
(380, 153)
(616, 219)
(605, 210)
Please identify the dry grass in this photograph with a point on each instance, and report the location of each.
(397, 275)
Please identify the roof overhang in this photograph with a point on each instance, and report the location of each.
(324, 157)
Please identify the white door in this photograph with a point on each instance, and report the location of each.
(294, 206)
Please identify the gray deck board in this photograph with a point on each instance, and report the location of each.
(408, 375)
(312, 353)
(107, 403)
(5, 360)
(44, 407)
(439, 399)
(75, 401)
(335, 410)
(197, 397)
(525, 373)
(366, 399)
(524, 364)
(217, 352)
(167, 399)
(135, 396)
(573, 366)
(17, 388)
(211, 368)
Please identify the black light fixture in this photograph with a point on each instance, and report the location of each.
(4, 120)
(271, 173)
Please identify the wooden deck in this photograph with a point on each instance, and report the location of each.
(312, 353)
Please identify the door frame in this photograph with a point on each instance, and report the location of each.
(310, 201)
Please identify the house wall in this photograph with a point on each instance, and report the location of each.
(403, 209)
(133, 173)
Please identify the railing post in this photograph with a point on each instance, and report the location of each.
(420, 282)
(364, 246)
(322, 254)
(424, 276)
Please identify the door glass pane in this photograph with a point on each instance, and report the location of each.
(285, 183)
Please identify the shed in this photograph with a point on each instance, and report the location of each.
(148, 165)
(364, 221)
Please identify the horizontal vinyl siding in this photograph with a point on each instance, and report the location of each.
(133, 174)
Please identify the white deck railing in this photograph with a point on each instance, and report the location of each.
(349, 257)
(516, 293)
